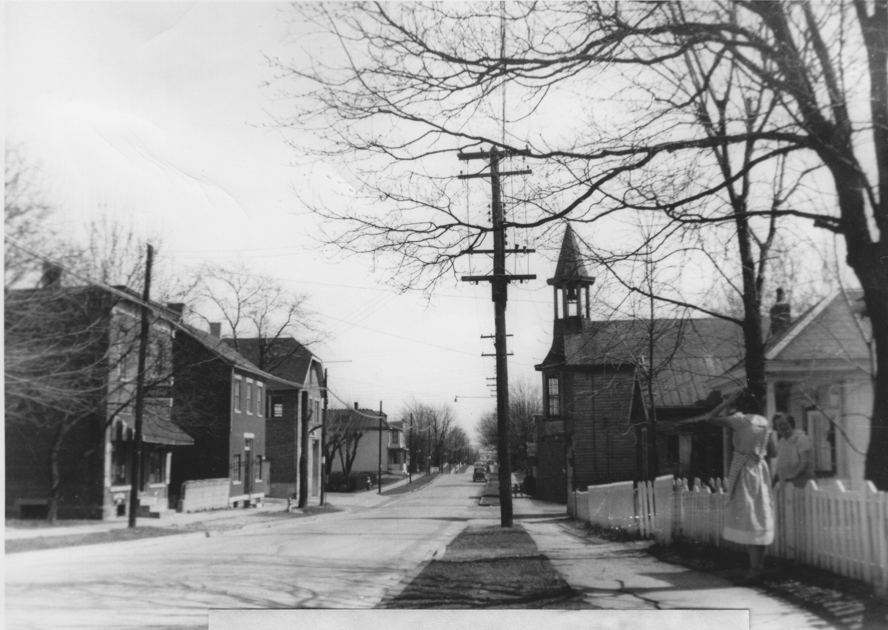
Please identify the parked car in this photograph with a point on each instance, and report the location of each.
(479, 475)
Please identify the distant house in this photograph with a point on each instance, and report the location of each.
(294, 410)
(819, 369)
(71, 365)
(220, 400)
(368, 440)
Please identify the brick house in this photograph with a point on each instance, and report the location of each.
(615, 391)
(220, 400)
(293, 414)
(71, 362)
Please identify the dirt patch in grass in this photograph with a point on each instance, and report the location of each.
(488, 567)
(92, 538)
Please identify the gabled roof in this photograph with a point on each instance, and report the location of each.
(686, 353)
(228, 355)
(357, 419)
(285, 357)
(570, 270)
(832, 329)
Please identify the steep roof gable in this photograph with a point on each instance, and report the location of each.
(570, 270)
(230, 356)
(284, 356)
(832, 329)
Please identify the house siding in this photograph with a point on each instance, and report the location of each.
(282, 445)
(603, 442)
(247, 425)
(202, 408)
(551, 468)
(86, 489)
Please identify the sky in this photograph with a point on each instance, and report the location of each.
(158, 115)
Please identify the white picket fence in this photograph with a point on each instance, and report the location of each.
(842, 531)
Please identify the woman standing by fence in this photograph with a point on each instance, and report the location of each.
(749, 513)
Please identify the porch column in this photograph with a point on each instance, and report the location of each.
(770, 400)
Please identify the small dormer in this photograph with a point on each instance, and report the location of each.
(571, 284)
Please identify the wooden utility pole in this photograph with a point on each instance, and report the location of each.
(136, 455)
(499, 281)
(323, 442)
(379, 465)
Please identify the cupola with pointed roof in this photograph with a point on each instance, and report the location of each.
(571, 281)
(571, 297)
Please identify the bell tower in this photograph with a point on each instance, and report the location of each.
(571, 284)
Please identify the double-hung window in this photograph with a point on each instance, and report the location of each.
(553, 396)
(236, 389)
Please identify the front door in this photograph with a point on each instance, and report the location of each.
(248, 465)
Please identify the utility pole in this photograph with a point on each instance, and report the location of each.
(379, 469)
(136, 455)
(499, 281)
(410, 463)
(323, 442)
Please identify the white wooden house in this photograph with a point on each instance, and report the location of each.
(819, 370)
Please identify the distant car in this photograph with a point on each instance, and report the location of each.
(479, 475)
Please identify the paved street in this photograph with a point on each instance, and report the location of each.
(348, 559)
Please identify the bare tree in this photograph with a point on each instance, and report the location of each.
(409, 83)
(458, 447)
(342, 435)
(71, 339)
(525, 403)
(258, 306)
(429, 430)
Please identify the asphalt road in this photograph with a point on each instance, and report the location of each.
(349, 559)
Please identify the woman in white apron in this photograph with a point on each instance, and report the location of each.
(749, 511)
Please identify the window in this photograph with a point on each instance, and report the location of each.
(236, 472)
(249, 403)
(394, 438)
(259, 460)
(277, 406)
(553, 396)
(236, 388)
(823, 438)
(260, 399)
(155, 467)
(158, 367)
(124, 374)
(119, 463)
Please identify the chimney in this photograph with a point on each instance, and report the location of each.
(178, 309)
(52, 276)
(781, 317)
(216, 329)
(356, 406)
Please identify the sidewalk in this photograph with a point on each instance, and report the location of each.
(230, 518)
(624, 575)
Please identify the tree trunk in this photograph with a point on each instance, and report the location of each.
(869, 260)
(55, 478)
(874, 279)
(754, 361)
